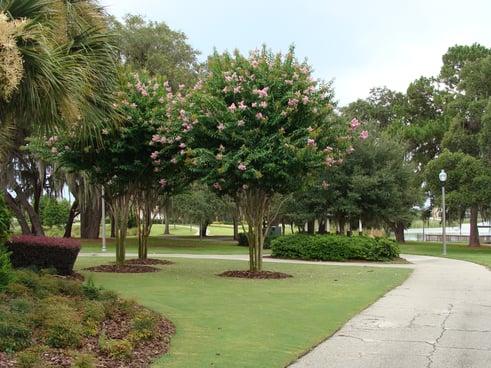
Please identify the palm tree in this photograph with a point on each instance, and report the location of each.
(60, 61)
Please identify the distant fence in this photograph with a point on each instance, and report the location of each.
(485, 239)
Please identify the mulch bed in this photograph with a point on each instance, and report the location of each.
(255, 274)
(131, 266)
(142, 356)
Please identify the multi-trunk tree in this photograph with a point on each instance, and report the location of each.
(125, 164)
(257, 127)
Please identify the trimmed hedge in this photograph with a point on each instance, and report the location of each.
(44, 252)
(334, 248)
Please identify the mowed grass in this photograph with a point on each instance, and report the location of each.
(232, 322)
(480, 255)
(172, 244)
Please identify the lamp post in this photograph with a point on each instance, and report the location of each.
(443, 177)
(103, 204)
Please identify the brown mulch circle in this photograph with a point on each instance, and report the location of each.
(148, 261)
(131, 266)
(255, 274)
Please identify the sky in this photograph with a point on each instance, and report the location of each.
(357, 44)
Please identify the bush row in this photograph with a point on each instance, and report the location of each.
(334, 248)
(44, 252)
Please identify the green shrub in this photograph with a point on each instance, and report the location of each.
(83, 360)
(15, 289)
(118, 349)
(15, 334)
(5, 267)
(360, 247)
(31, 357)
(385, 249)
(334, 248)
(143, 326)
(243, 242)
(5, 220)
(89, 290)
(289, 246)
(22, 305)
(60, 321)
(27, 278)
(94, 313)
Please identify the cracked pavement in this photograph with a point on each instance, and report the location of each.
(439, 318)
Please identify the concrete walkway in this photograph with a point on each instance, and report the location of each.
(439, 318)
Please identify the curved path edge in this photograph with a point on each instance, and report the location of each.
(440, 317)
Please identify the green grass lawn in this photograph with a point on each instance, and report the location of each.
(230, 322)
(171, 244)
(481, 255)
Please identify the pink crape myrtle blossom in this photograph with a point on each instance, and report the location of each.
(329, 161)
(52, 140)
(163, 182)
(262, 93)
(242, 105)
(293, 102)
(354, 124)
(232, 107)
(363, 135)
(242, 167)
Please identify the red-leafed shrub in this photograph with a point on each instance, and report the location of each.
(44, 252)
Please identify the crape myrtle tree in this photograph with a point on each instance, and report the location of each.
(255, 128)
(124, 165)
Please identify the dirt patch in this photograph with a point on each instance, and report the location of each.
(255, 274)
(131, 266)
